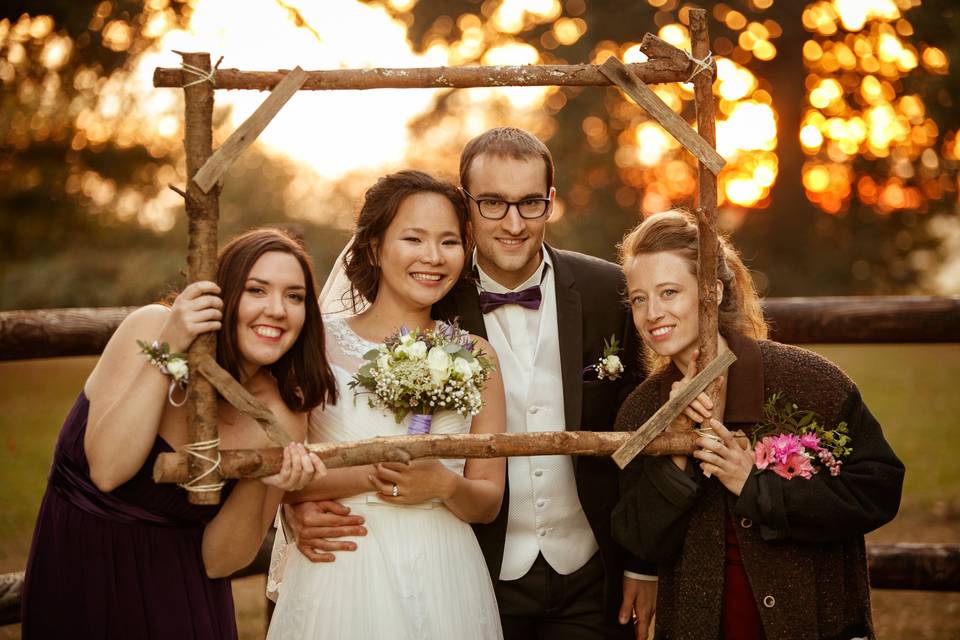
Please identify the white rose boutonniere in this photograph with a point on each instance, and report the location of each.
(608, 367)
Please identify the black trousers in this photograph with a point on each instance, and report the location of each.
(546, 605)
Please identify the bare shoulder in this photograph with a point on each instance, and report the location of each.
(151, 316)
(484, 346)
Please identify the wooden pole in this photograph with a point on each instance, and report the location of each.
(255, 463)
(707, 201)
(579, 75)
(203, 210)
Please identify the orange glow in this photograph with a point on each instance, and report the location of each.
(855, 106)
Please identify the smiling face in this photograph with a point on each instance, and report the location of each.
(508, 250)
(422, 254)
(271, 310)
(663, 297)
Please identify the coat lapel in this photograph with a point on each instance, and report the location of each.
(570, 333)
(463, 303)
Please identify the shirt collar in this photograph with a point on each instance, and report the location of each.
(489, 284)
(744, 382)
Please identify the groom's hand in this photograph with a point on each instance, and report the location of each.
(317, 524)
(639, 604)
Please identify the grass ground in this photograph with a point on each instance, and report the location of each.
(911, 389)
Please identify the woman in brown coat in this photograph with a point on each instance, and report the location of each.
(760, 540)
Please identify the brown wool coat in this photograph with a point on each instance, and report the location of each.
(801, 540)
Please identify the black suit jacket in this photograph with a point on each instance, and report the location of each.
(590, 309)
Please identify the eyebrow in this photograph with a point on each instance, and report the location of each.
(656, 286)
(262, 281)
(499, 196)
(425, 232)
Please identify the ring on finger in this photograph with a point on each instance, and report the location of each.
(396, 490)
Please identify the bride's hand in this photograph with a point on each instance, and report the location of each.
(299, 467)
(416, 482)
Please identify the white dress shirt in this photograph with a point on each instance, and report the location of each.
(545, 515)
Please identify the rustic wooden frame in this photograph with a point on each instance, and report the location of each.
(205, 168)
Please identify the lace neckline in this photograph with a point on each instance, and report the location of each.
(350, 343)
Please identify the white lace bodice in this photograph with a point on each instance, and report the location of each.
(352, 418)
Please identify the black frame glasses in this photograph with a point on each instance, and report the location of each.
(497, 208)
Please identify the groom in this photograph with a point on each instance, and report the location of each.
(556, 571)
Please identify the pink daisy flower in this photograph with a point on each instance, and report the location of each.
(795, 465)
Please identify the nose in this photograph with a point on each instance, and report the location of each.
(432, 253)
(275, 306)
(654, 312)
(513, 222)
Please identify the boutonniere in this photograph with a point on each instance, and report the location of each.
(609, 367)
(792, 442)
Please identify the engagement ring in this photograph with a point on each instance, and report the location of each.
(396, 490)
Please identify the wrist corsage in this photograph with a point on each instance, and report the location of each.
(791, 442)
(169, 364)
(609, 367)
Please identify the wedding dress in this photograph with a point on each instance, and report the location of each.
(418, 573)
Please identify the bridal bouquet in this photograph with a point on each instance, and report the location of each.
(791, 442)
(424, 372)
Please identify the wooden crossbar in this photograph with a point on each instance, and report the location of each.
(255, 463)
(653, 71)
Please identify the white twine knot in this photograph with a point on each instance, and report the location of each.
(197, 450)
(704, 64)
(202, 76)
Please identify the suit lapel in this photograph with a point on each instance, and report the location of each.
(570, 334)
(463, 302)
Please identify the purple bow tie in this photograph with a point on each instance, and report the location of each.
(529, 298)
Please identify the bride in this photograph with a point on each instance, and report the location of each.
(420, 572)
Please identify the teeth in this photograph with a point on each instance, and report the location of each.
(511, 241)
(267, 332)
(661, 331)
(426, 276)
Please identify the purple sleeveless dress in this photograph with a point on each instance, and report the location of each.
(125, 564)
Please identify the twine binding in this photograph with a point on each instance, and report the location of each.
(197, 449)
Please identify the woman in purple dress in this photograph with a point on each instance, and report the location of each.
(116, 555)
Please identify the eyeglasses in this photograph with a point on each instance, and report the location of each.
(496, 208)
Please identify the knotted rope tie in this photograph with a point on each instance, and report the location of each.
(196, 450)
(705, 64)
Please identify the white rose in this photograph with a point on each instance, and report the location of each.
(406, 338)
(475, 366)
(177, 368)
(383, 362)
(438, 362)
(417, 350)
(462, 368)
(413, 350)
(613, 365)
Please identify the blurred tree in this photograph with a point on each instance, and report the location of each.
(837, 238)
(69, 181)
(85, 217)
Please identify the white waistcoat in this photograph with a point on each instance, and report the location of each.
(545, 515)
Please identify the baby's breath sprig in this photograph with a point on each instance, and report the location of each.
(424, 372)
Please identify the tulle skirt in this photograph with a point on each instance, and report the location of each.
(417, 574)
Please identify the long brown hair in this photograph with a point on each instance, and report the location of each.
(676, 231)
(303, 375)
(380, 205)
